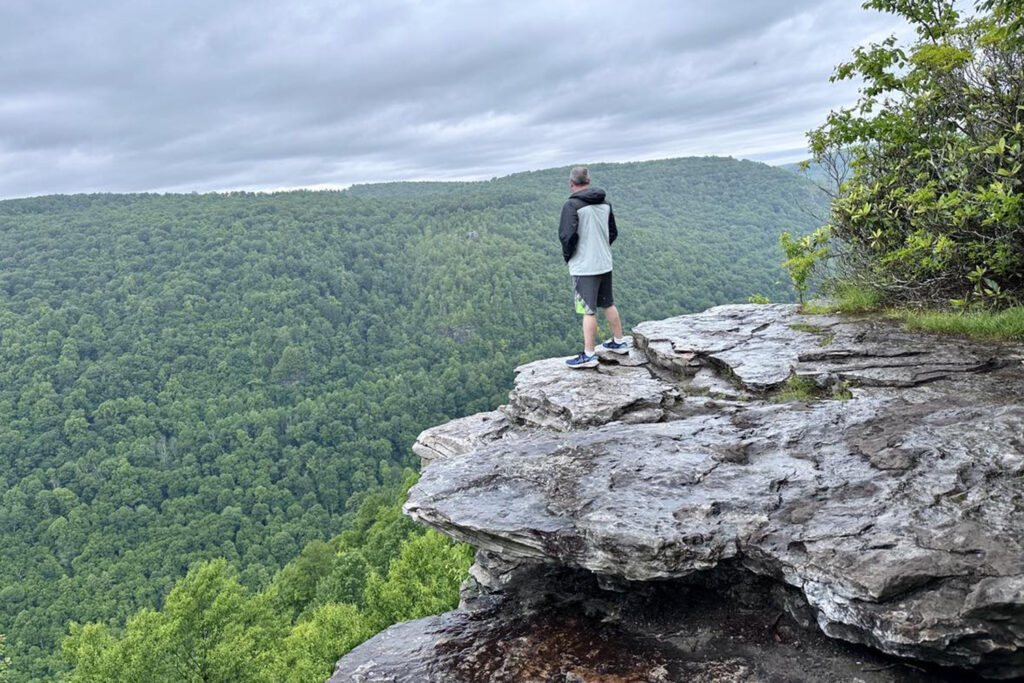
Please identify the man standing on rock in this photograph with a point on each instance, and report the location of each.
(586, 231)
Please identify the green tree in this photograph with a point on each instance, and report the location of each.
(210, 629)
(311, 649)
(423, 581)
(803, 255)
(213, 629)
(5, 661)
(933, 209)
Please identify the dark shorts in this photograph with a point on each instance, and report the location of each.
(591, 292)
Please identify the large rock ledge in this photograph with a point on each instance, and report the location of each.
(893, 518)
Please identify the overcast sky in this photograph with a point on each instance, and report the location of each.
(182, 95)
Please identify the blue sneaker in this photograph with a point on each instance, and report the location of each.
(582, 361)
(615, 347)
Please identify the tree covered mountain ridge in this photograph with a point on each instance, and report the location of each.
(188, 378)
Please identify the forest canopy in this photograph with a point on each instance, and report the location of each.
(214, 380)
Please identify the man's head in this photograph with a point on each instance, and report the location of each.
(579, 178)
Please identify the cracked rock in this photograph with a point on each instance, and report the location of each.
(892, 520)
(550, 394)
(461, 436)
(763, 346)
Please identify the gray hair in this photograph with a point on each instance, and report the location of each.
(579, 176)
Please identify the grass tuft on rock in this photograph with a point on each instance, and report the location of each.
(847, 299)
(1006, 324)
(803, 388)
(798, 388)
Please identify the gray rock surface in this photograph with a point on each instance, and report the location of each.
(632, 357)
(895, 518)
(461, 436)
(550, 394)
(762, 346)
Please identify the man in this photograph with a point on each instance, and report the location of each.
(587, 230)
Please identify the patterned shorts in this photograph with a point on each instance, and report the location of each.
(591, 292)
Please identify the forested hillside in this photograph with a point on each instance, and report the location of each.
(193, 377)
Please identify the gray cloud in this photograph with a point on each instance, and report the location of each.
(112, 95)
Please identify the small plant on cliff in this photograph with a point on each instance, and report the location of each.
(933, 210)
(801, 388)
(803, 256)
(798, 388)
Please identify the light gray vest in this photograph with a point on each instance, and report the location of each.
(593, 254)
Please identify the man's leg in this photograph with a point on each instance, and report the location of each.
(589, 333)
(612, 314)
(606, 303)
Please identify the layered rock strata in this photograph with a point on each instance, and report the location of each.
(869, 480)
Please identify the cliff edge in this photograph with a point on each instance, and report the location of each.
(752, 494)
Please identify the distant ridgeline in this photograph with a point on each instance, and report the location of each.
(192, 377)
(820, 175)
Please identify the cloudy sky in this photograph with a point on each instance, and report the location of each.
(183, 95)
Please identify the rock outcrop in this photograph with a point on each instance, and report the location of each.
(836, 478)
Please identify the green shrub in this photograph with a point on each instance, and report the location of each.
(932, 210)
(803, 256)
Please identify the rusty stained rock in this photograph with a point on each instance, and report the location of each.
(542, 623)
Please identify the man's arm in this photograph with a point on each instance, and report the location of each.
(568, 226)
(613, 231)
